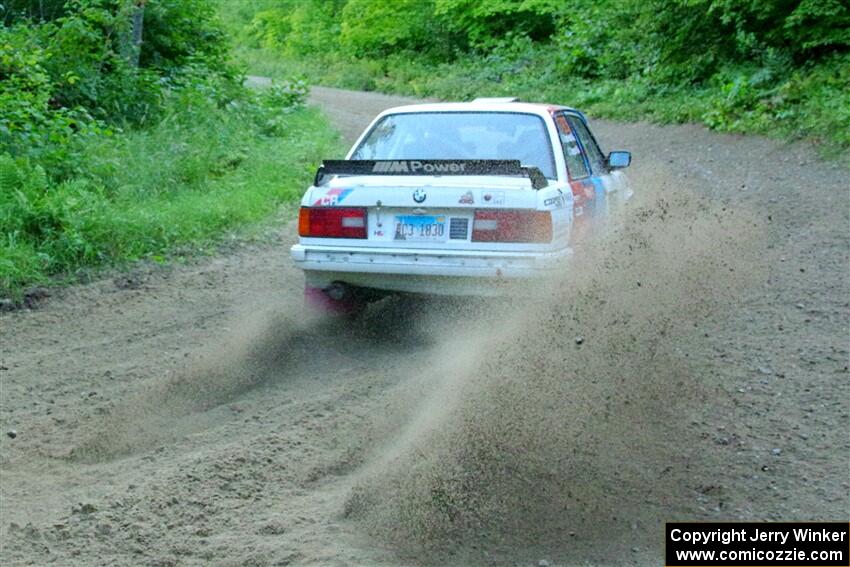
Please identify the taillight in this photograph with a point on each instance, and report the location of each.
(332, 222)
(511, 226)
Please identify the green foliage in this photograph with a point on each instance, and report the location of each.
(31, 124)
(68, 78)
(103, 161)
(83, 50)
(180, 32)
(483, 24)
(766, 66)
(672, 41)
(688, 41)
(818, 24)
(47, 220)
(814, 103)
(154, 192)
(12, 11)
(295, 26)
(355, 27)
(370, 27)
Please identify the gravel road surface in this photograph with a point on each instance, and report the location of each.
(195, 415)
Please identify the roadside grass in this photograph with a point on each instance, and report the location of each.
(810, 103)
(179, 186)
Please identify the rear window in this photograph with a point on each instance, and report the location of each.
(461, 135)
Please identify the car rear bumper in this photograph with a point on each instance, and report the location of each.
(444, 272)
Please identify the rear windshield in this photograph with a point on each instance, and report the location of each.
(461, 135)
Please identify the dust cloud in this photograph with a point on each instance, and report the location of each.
(554, 418)
(531, 424)
(261, 344)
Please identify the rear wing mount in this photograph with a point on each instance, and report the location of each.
(506, 167)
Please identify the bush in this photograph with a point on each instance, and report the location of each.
(103, 161)
(482, 25)
(156, 192)
(370, 28)
(739, 65)
(178, 33)
(31, 123)
(673, 42)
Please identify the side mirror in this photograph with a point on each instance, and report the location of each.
(618, 160)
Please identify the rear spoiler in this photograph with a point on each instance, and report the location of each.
(507, 167)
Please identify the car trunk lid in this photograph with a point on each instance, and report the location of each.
(423, 211)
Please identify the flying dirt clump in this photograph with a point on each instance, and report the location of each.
(572, 400)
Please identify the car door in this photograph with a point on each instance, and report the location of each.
(588, 190)
(609, 186)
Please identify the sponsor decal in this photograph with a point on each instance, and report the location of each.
(467, 199)
(413, 166)
(493, 197)
(390, 167)
(419, 195)
(557, 201)
(332, 197)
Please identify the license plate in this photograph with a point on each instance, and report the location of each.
(418, 228)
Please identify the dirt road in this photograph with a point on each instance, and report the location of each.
(194, 415)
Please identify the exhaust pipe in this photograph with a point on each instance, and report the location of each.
(338, 291)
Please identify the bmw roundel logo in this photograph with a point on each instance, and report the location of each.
(419, 195)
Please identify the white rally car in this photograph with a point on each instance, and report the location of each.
(453, 199)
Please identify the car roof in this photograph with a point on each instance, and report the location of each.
(485, 105)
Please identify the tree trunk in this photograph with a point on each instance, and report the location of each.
(137, 20)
